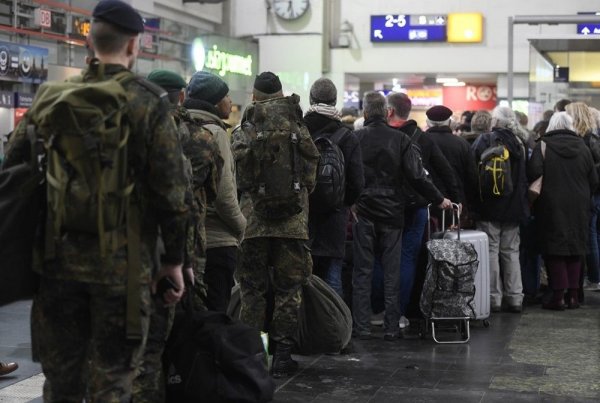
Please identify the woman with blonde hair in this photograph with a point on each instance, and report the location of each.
(585, 125)
(569, 179)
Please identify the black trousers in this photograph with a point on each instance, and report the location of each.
(218, 276)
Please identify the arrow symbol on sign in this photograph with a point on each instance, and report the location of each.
(377, 34)
(585, 30)
(440, 20)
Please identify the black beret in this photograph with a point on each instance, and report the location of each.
(267, 83)
(166, 79)
(438, 113)
(119, 14)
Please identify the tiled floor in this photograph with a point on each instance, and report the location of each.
(539, 356)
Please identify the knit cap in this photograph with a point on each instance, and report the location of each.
(207, 87)
(267, 83)
(323, 91)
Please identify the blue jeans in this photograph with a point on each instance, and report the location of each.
(593, 258)
(412, 238)
(330, 270)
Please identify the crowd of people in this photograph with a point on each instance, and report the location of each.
(207, 218)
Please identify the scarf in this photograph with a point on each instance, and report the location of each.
(326, 110)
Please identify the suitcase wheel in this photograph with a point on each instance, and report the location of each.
(486, 323)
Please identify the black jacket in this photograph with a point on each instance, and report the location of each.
(327, 232)
(513, 207)
(457, 152)
(562, 210)
(389, 161)
(434, 162)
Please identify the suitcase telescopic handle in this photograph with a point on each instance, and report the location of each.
(455, 219)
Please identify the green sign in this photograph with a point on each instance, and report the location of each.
(220, 61)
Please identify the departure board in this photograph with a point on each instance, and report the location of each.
(408, 28)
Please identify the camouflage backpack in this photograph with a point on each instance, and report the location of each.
(85, 130)
(276, 164)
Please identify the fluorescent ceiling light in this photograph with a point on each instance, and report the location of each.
(443, 80)
(455, 84)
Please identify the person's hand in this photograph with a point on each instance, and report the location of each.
(174, 272)
(445, 204)
(189, 274)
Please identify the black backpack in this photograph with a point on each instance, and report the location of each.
(210, 357)
(495, 174)
(22, 201)
(330, 186)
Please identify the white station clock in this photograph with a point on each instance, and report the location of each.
(290, 9)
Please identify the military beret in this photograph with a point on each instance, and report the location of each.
(119, 14)
(166, 79)
(207, 87)
(438, 113)
(267, 83)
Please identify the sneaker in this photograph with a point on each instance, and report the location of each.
(377, 319)
(403, 323)
(589, 286)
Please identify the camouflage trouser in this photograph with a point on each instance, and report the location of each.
(149, 385)
(290, 262)
(79, 330)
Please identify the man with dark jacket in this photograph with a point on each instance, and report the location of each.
(388, 159)
(415, 213)
(500, 217)
(327, 229)
(455, 149)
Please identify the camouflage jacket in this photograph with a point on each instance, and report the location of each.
(206, 166)
(155, 159)
(295, 226)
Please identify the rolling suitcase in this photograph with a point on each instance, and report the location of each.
(479, 240)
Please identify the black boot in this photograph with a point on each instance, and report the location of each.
(283, 364)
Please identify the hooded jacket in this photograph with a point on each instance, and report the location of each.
(563, 208)
(513, 207)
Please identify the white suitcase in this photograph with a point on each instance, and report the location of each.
(479, 240)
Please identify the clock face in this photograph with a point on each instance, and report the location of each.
(290, 9)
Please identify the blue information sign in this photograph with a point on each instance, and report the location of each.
(588, 29)
(408, 28)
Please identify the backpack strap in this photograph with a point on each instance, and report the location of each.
(294, 139)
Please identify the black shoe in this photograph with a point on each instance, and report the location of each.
(515, 308)
(496, 308)
(362, 336)
(283, 364)
(390, 337)
(554, 306)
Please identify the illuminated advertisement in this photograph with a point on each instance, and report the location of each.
(23, 63)
(222, 58)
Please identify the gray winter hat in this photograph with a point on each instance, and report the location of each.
(323, 91)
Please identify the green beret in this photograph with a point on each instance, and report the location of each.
(166, 79)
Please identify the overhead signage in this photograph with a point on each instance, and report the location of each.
(221, 61)
(23, 63)
(465, 27)
(408, 28)
(470, 97)
(42, 18)
(588, 29)
(80, 27)
(7, 99)
(23, 100)
(425, 97)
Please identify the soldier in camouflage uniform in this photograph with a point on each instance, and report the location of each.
(274, 250)
(149, 385)
(79, 314)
